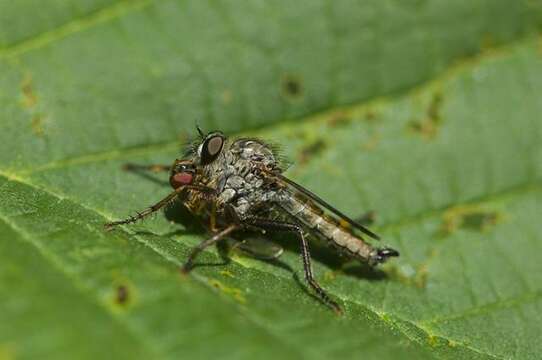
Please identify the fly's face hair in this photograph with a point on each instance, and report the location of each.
(238, 184)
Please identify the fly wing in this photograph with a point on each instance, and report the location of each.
(259, 248)
(318, 200)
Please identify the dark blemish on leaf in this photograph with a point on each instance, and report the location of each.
(428, 126)
(235, 293)
(314, 148)
(122, 295)
(372, 116)
(472, 218)
(37, 125)
(29, 97)
(292, 87)
(433, 111)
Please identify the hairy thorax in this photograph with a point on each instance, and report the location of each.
(236, 177)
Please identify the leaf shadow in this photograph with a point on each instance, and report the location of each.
(192, 225)
(179, 214)
(331, 258)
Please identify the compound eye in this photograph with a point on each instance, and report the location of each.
(181, 178)
(211, 148)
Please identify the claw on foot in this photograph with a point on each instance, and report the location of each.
(382, 255)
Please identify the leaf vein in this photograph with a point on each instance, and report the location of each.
(45, 38)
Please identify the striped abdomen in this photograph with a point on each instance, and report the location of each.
(329, 228)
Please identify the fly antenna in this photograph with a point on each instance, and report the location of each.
(200, 131)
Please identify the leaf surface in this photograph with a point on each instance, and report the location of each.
(427, 112)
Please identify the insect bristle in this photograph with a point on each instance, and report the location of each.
(282, 160)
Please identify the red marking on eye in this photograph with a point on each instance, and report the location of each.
(180, 179)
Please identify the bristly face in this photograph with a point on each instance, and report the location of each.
(198, 154)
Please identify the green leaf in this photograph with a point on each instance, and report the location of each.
(427, 112)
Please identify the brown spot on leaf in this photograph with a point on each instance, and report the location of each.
(339, 118)
(371, 115)
(292, 87)
(29, 97)
(235, 293)
(433, 111)
(122, 295)
(37, 125)
(428, 126)
(312, 149)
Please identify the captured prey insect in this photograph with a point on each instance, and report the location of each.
(238, 184)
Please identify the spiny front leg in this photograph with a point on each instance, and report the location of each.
(140, 215)
(159, 205)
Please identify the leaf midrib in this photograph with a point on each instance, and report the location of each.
(389, 319)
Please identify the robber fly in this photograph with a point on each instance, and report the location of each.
(238, 184)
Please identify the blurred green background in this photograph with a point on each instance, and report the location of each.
(428, 112)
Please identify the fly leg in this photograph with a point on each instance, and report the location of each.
(305, 256)
(154, 208)
(206, 243)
